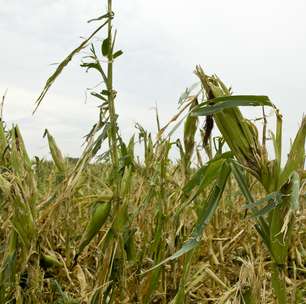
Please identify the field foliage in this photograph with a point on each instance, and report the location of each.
(224, 223)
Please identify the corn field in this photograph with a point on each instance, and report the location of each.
(225, 223)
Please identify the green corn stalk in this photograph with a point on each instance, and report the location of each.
(157, 247)
(109, 52)
(180, 295)
(3, 142)
(247, 297)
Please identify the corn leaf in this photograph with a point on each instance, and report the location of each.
(105, 47)
(267, 208)
(117, 54)
(274, 196)
(221, 103)
(261, 226)
(296, 156)
(209, 208)
(62, 65)
(206, 174)
(101, 17)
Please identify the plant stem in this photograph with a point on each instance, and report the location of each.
(111, 97)
(279, 285)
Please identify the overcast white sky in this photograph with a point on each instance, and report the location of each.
(257, 47)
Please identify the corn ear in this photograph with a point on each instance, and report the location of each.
(121, 221)
(20, 146)
(5, 186)
(55, 153)
(48, 261)
(98, 218)
(129, 245)
(190, 129)
(24, 223)
(126, 181)
(19, 159)
(239, 133)
(105, 196)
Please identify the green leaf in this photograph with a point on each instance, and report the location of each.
(274, 196)
(62, 65)
(117, 54)
(100, 18)
(209, 208)
(241, 180)
(90, 65)
(100, 96)
(221, 103)
(296, 156)
(105, 92)
(264, 235)
(100, 139)
(206, 174)
(105, 47)
(267, 208)
(189, 245)
(261, 226)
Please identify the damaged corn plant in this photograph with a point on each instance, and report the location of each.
(275, 212)
(223, 223)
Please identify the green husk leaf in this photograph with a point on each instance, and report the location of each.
(56, 152)
(99, 215)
